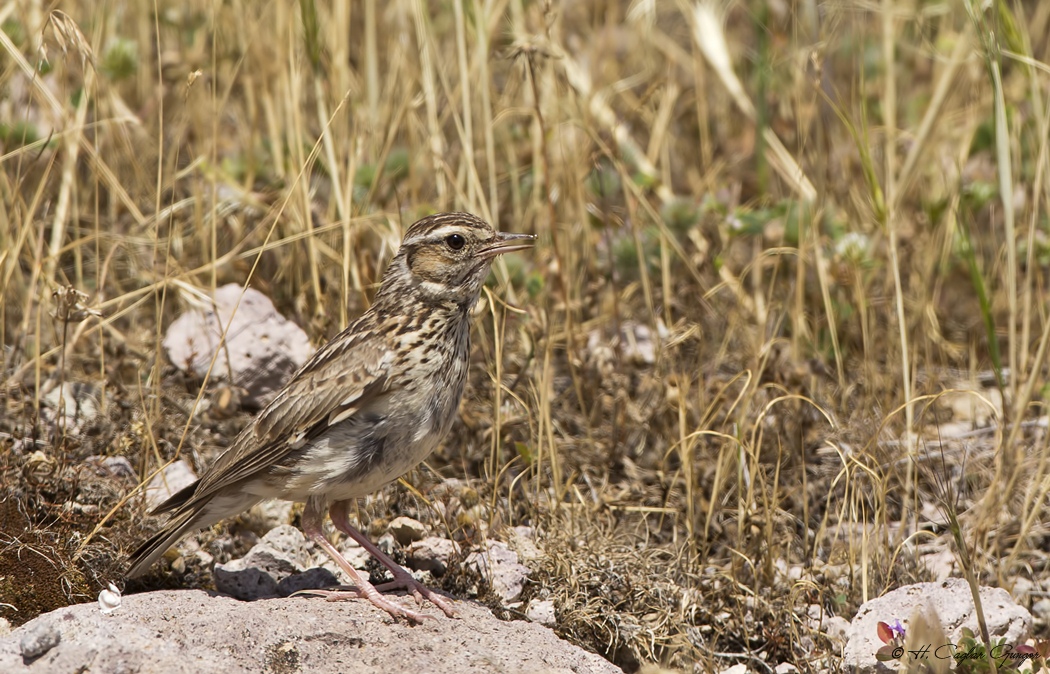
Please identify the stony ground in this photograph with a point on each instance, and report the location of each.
(194, 631)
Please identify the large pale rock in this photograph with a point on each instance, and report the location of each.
(951, 601)
(263, 348)
(192, 631)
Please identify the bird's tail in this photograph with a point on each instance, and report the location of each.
(189, 515)
(157, 544)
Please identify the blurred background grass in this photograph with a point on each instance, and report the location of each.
(781, 347)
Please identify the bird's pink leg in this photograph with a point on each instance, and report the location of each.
(402, 578)
(313, 527)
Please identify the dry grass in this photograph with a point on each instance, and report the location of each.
(832, 220)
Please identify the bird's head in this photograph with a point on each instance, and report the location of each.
(446, 258)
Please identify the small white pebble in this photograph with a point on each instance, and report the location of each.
(542, 612)
(109, 600)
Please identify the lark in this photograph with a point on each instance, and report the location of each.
(369, 406)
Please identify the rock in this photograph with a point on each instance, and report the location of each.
(170, 480)
(499, 566)
(71, 406)
(1041, 609)
(190, 550)
(837, 629)
(950, 600)
(281, 553)
(407, 530)
(109, 466)
(1022, 589)
(522, 540)
(190, 631)
(262, 348)
(282, 563)
(315, 578)
(541, 612)
(940, 564)
(352, 552)
(246, 583)
(431, 554)
(387, 543)
(834, 627)
(117, 466)
(285, 541)
(274, 513)
(635, 342)
(38, 640)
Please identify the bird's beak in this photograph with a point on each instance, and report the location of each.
(505, 242)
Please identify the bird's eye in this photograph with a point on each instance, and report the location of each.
(455, 241)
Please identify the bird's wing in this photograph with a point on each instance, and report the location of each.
(344, 375)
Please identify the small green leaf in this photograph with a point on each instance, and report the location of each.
(525, 452)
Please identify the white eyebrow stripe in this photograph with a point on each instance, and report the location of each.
(445, 230)
(434, 235)
(441, 233)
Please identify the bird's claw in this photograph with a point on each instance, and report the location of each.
(376, 599)
(404, 581)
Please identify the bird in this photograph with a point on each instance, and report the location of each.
(366, 408)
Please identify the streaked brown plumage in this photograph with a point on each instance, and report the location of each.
(369, 406)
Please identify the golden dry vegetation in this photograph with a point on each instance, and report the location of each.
(781, 346)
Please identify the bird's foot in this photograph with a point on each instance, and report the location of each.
(373, 596)
(403, 580)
